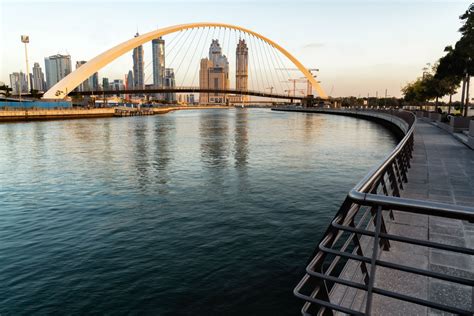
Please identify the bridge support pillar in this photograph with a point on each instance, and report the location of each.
(308, 101)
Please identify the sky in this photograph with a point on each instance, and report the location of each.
(360, 47)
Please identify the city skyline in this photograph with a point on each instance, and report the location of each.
(363, 64)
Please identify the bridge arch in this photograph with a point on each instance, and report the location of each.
(61, 89)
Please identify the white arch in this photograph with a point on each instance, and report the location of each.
(75, 78)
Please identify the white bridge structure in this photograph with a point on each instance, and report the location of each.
(65, 86)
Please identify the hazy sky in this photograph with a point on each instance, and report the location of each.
(360, 47)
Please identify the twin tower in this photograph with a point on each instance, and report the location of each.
(214, 74)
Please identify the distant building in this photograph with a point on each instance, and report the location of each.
(214, 74)
(94, 82)
(18, 83)
(185, 98)
(57, 67)
(169, 83)
(129, 83)
(190, 98)
(206, 64)
(84, 86)
(241, 68)
(138, 67)
(105, 84)
(117, 84)
(91, 83)
(38, 78)
(158, 50)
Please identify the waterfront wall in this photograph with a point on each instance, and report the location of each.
(43, 114)
(395, 123)
(36, 104)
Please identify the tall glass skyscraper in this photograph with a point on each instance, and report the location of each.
(214, 74)
(18, 83)
(57, 67)
(241, 68)
(158, 50)
(92, 83)
(38, 78)
(138, 67)
(169, 82)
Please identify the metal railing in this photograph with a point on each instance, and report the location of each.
(348, 254)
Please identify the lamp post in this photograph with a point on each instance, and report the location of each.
(26, 39)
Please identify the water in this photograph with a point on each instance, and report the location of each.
(211, 212)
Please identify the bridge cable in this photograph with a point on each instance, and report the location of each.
(274, 51)
(146, 67)
(174, 57)
(254, 72)
(262, 71)
(175, 42)
(192, 58)
(229, 55)
(201, 56)
(186, 54)
(262, 45)
(268, 54)
(284, 67)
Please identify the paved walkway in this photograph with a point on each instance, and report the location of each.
(442, 170)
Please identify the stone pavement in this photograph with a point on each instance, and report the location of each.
(442, 170)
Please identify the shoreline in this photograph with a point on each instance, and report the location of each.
(27, 115)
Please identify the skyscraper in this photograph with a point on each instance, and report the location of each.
(214, 74)
(92, 83)
(18, 83)
(206, 64)
(105, 84)
(57, 67)
(158, 50)
(169, 82)
(129, 83)
(138, 67)
(241, 68)
(84, 86)
(38, 78)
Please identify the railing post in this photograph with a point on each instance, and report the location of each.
(393, 181)
(398, 172)
(378, 225)
(359, 252)
(384, 243)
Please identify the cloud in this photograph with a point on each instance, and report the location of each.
(313, 45)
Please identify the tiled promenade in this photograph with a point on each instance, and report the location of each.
(442, 170)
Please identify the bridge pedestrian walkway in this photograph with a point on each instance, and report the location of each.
(442, 170)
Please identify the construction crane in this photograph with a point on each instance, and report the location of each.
(309, 86)
(271, 89)
(294, 84)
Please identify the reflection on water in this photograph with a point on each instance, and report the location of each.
(214, 139)
(211, 212)
(241, 138)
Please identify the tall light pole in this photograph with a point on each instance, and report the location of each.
(26, 39)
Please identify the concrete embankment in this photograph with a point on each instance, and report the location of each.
(51, 114)
(48, 114)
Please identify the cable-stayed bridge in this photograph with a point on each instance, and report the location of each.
(215, 61)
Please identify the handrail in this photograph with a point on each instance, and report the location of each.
(377, 192)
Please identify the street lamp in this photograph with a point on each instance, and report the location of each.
(26, 39)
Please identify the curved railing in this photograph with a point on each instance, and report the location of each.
(341, 274)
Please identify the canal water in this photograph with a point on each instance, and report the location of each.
(205, 212)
